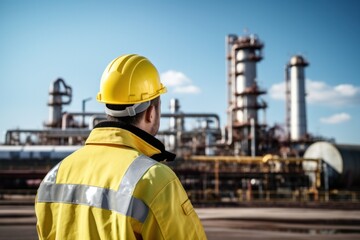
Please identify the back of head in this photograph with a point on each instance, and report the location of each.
(129, 85)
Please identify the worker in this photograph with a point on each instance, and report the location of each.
(115, 187)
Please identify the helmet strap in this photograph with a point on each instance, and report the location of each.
(129, 111)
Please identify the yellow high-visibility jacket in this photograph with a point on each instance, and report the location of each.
(112, 189)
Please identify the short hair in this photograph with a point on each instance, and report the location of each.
(132, 120)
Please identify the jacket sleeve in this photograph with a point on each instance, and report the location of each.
(172, 215)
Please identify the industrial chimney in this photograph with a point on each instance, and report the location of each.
(296, 112)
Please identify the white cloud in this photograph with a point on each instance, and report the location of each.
(346, 90)
(173, 78)
(340, 95)
(336, 118)
(187, 89)
(179, 82)
(277, 91)
(323, 94)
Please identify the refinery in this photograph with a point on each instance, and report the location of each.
(245, 162)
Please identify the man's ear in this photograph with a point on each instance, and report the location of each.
(150, 114)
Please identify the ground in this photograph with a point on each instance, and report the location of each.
(17, 221)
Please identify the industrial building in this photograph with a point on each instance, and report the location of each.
(243, 162)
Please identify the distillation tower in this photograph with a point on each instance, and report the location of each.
(243, 127)
(57, 91)
(295, 99)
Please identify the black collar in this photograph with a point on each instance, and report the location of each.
(163, 156)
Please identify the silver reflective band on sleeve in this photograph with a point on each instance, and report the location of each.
(120, 201)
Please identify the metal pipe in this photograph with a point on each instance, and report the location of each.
(193, 115)
(64, 122)
(83, 114)
(253, 137)
(83, 110)
(95, 118)
(287, 100)
(53, 133)
(37, 151)
(232, 78)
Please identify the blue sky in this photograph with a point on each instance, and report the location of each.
(43, 40)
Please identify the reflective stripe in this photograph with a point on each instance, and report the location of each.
(51, 176)
(120, 201)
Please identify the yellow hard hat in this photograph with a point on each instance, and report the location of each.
(130, 79)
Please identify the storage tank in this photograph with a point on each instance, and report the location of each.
(341, 164)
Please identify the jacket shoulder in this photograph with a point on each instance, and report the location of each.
(156, 178)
